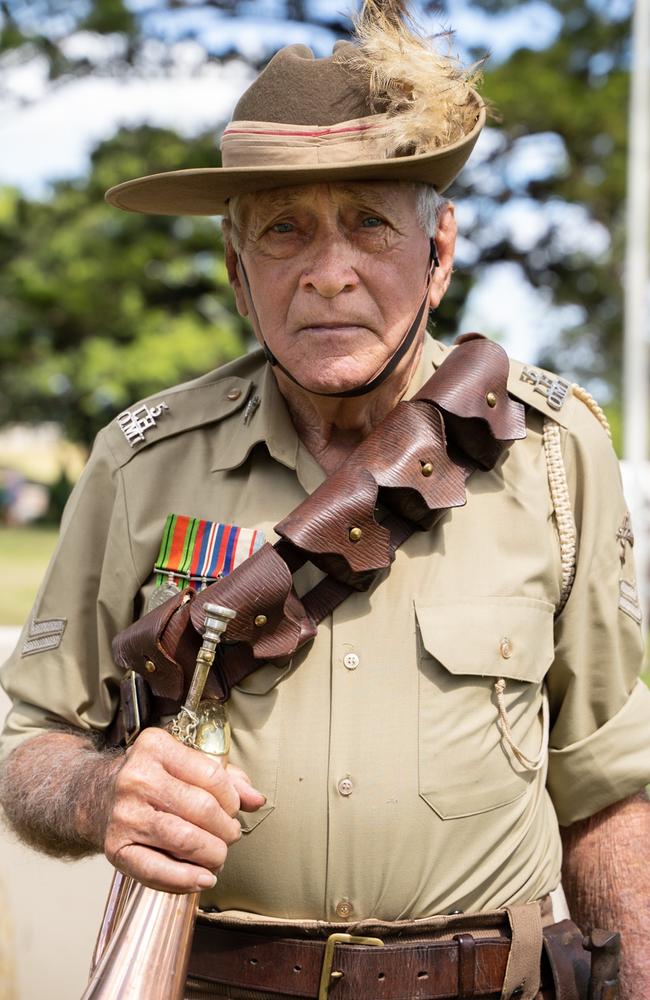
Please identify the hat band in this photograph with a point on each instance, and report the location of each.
(269, 144)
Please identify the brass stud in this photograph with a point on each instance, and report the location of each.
(234, 394)
(150, 666)
(355, 534)
(260, 620)
(491, 398)
(427, 468)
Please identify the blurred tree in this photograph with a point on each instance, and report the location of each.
(98, 307)
(559, 156)
(546, 195)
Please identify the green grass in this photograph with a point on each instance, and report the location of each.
(24, 555)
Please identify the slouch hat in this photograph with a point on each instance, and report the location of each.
(386, 106)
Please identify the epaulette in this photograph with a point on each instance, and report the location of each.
(552, 395)
(206, 400)
(541, 390)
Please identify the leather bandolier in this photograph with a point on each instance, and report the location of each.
(403, 477)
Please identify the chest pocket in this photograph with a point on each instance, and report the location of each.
(478, 738)
(255, 710)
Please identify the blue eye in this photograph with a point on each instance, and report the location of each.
(282, 227)
(372, 222)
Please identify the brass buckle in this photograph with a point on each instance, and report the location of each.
(327, 974)
(130, 734)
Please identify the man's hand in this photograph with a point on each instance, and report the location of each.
(162, 812)
(171, 819)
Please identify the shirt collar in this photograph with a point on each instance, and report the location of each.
(265, 419)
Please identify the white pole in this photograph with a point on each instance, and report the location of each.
(636, 366)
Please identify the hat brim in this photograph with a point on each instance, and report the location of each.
(206, 190)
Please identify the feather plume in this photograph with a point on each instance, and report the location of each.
(425, 92)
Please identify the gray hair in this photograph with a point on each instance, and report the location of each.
(429, 206)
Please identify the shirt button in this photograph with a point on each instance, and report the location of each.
(345, 786)
(505, 647)
(344, 908)
(351, 661)
(234, 394)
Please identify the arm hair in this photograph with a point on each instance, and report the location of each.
(56, 790)
(606, 878)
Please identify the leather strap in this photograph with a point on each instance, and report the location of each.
(414, 466)
(409, 966)
(568, 962)
(402, 970)
(466, 965)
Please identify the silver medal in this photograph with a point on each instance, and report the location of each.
(162, 594)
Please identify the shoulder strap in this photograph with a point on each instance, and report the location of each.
(413, 468)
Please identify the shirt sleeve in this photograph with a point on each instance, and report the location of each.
(62, 672)
(599, 748)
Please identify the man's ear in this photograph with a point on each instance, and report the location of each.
(446, 246)
(234, 277)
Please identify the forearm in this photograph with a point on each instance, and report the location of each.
(56, 790)
(607, 882)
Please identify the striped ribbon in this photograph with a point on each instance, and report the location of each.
(197, 552)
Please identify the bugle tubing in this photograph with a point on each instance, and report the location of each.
(144, 942)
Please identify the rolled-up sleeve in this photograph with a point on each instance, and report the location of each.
(62, 672)
(599, 747)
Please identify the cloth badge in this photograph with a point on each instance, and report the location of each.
(198, 552)
(44, 635)
(628, 600)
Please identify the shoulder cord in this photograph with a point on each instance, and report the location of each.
(562, 507)
(597, 410)
(529, 763)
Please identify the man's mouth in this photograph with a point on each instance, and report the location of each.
(333, 325)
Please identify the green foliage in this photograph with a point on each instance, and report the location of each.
(576, 91)
(99, 308)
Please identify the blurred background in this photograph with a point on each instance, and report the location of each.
(99, 308)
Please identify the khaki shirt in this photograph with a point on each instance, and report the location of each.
(391, 791)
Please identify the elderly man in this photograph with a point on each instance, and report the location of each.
(422, 762)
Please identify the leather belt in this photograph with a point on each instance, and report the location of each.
(345, 967)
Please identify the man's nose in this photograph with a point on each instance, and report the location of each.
(331, 268)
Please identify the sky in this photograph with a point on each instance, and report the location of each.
(51, 135)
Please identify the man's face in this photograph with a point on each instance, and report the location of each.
(337, 273)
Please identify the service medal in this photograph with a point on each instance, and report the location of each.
(194, 552)
(162, 594)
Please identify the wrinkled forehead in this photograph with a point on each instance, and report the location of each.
(382, 195)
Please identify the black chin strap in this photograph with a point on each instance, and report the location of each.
(389, 365)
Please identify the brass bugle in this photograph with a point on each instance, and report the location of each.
(144, 942)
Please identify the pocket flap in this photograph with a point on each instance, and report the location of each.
(489, 636)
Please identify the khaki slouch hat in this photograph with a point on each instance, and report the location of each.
(385, 106)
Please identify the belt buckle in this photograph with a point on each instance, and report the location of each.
(327, 974)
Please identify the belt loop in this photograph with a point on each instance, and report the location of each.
(466, 965)
(522, 978)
